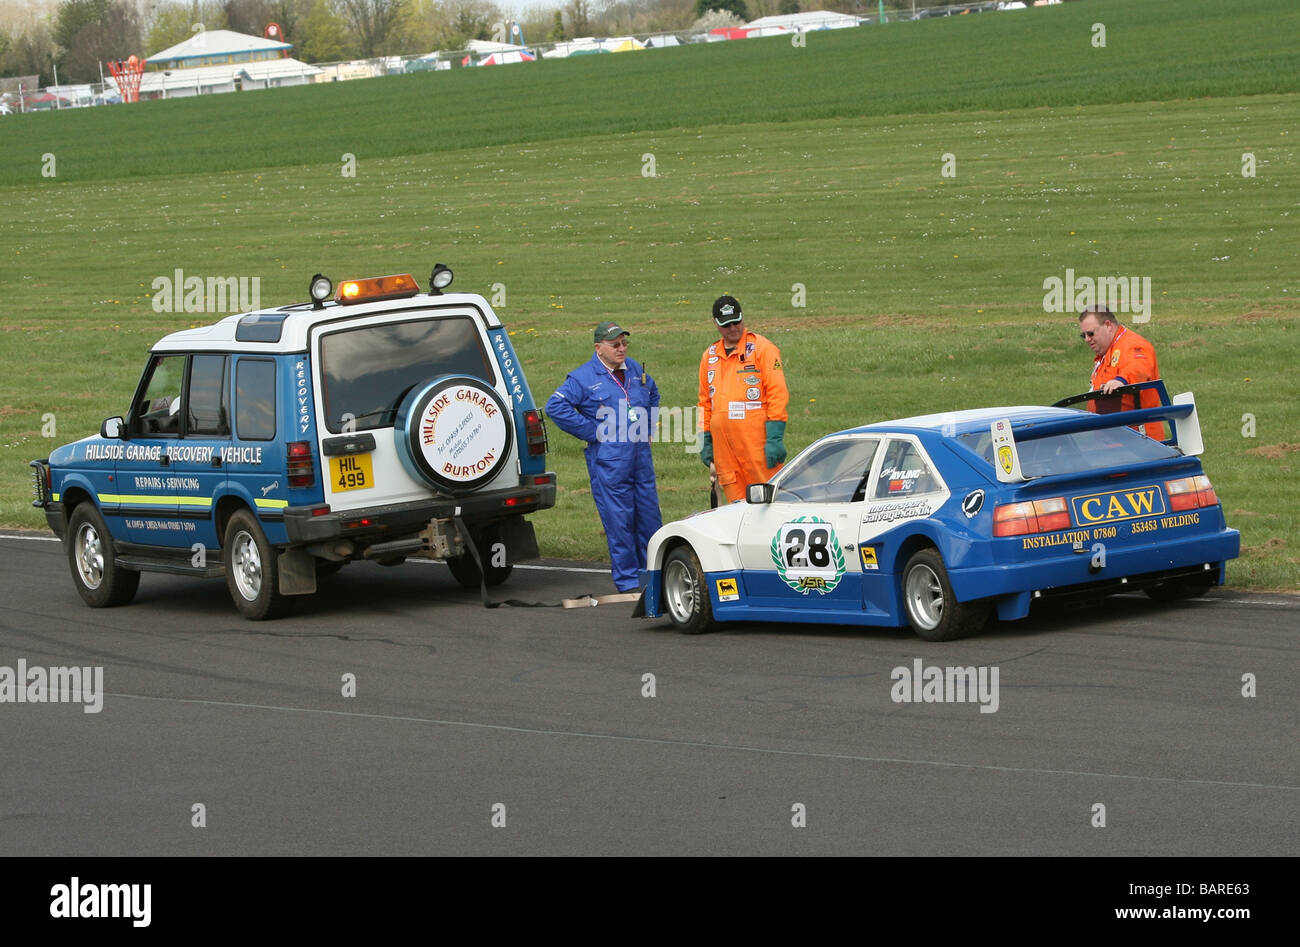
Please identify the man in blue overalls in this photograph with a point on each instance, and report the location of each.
(612, 404)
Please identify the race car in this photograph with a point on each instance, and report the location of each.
(940, 521)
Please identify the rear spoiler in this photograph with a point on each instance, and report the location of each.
(1180, 413)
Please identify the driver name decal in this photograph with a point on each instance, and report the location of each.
(807, 555)
(888, 512)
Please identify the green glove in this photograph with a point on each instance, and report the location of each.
(774, 448)
(706, 447)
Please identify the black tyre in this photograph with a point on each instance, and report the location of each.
(686, 593)
(251, 572)
(1177, 589)
(466, 572)
(100, 582)
(931, 607)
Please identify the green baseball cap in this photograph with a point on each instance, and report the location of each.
(609, 331)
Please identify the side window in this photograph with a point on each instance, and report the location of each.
(206, 410)
(831, 473)
(904, 472)
(255, 399)
(158, 408)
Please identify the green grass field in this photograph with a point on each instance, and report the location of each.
(924, 292)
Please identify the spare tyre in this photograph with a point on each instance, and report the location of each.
(453, 433)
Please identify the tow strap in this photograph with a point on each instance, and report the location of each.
(582, 601)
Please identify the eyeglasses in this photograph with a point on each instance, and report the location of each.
(1087, 335)
(620, 344)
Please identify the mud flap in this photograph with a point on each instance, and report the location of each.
(519, 538)
(297, 568)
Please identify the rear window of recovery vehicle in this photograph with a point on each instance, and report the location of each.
(368, 370)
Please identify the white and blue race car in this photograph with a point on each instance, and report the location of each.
(939, 521)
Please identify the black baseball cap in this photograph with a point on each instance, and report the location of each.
(726, 311)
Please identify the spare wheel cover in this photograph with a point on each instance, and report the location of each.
(453, 432)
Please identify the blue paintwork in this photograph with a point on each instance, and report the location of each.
(1008, 570)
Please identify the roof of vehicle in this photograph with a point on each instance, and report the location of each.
(975, 420)
(285, 328)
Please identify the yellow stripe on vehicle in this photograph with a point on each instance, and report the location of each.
(136, 499)
(270, 504)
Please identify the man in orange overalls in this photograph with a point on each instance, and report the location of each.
(743, 399)
(1123, 358)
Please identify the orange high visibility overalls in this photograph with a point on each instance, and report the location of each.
(1131, 359)
(739, 394)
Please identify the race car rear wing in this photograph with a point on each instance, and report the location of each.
(1181, 414)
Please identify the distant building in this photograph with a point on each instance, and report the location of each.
(214, 61)
(812, 20)
(219, 48)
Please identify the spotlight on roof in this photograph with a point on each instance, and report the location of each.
(440, 279)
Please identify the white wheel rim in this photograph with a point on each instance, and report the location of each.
(680, 591)
(246, 563)
(924, 593)
(89, 556)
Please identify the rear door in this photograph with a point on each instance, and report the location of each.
(365, 369)
(197, 473)
(905, 485)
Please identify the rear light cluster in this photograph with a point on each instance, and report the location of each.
(302, 472)
(1034, 516)
(535, 433)
(1190, 493)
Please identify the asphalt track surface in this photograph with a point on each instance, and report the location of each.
(538, 717)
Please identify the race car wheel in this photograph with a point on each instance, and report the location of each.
(1177, 589)
(686, 595)
(251, 572)
(99, 580)
(932, 609)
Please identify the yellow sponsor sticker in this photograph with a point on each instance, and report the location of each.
(727, 590)
(869, 558)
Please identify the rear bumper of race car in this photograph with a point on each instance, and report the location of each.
(1093, 572)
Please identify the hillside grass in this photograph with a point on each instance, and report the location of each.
(1043, 57)
(923, 292)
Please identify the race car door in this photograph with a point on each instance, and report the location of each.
(799, 550)
(905, 487)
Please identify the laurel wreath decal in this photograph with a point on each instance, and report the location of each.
(807, 584)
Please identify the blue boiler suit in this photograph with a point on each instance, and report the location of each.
(617, 426)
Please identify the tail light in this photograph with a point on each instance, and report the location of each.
(302, 472)
(1034, 516)
(535, 433)
(1190, 493)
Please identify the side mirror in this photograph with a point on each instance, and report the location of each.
(111, 429)
(760, 492)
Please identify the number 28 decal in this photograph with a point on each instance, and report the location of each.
(808, 556)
